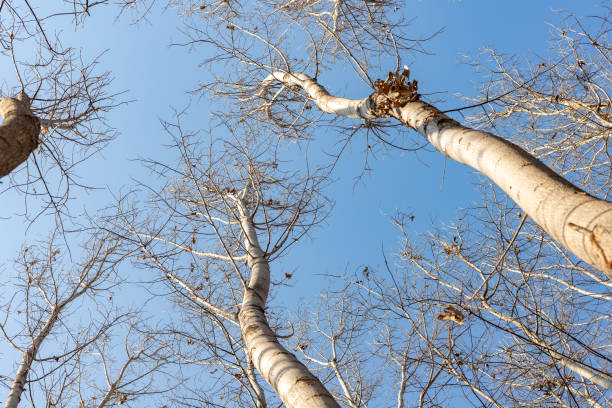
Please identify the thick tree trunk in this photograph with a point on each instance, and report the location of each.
(578, 221)
(18, 132)
(296, 386)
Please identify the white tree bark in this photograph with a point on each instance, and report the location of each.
(18, 132)
(296, 386)
(84, 284)
(350, 108)
(578, 221)
(21, 376)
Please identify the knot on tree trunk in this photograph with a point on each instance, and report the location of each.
(601, 238)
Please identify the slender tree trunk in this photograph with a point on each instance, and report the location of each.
(578, 221)
(293, 382)
(18, 132)
(21, 376)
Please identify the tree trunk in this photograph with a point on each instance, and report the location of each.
(296, 386)
(21, 376)
(18, 132)
(578, 221)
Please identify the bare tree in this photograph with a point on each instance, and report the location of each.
(526, 325)
(54, 105)
(56, 312)
(558, 106)
(502, 311)
(144, 369)
(334, 337)
(493, 310)
(19, 132)
(229, 211)
(262, 57)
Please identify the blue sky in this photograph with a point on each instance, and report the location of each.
(157, 78)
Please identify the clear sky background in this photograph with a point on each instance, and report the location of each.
(157, 78)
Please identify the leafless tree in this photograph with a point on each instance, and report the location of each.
(335, 338)
(493, 309)
(487, 312)
(558, 106)
(53, 107)
(58, 315)
(501, 313)
(227, 211)
(144, 369)
(271, 79)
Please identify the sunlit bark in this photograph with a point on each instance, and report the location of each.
(578, 221)
(292, 381)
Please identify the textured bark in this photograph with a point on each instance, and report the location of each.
(578, 221)
(296, 386)
(18, 132)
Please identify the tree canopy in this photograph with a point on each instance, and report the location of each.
(241, 259)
